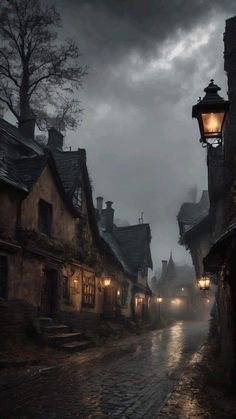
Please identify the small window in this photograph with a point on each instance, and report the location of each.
(65, 288)
(77, 197)
(3, 277)
(45, 217)
(88, 290)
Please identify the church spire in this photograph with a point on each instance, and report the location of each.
(171, 268)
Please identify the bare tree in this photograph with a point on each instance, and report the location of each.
(38, 75)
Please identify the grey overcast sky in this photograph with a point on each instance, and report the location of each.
(149, 61)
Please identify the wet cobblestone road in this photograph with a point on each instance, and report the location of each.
(127, 379)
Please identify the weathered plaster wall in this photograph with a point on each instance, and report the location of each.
(24, 278)
(63, 226)
(8, 213)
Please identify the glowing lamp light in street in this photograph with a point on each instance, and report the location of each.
(204, 282)
(176, 301)
(159, 299)
(106, 279)
(106, 282)
(210, 113)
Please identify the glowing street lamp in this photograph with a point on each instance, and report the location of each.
(176, 301)
(210, 113)
(159, 300)
(204, 282)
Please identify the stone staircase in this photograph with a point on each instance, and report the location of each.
(62, 337)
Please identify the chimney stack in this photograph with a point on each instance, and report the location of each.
(55, 139)
(109, 216)
(99, 204)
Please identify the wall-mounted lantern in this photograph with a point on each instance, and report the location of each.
(204, 282)
(159, 299)
(106, 279)
(210, 113)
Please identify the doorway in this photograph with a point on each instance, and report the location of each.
(49, 293)
(109, 302)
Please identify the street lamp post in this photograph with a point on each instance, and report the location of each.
(159, 300)
(210, 113)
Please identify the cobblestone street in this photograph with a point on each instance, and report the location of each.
(126, 379)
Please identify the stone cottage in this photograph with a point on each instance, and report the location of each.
(131, 247)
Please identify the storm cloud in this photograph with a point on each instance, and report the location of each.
(149, 62)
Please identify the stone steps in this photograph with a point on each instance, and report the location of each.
(65, 337)
(75, 346)
(55, 329)
(62, 337)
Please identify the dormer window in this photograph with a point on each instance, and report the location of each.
(77, 197)
(45, 217)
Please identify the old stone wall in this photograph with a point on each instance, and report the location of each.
(224, 303)
(18, 322)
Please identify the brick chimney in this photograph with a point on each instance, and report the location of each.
(99, 204)
(55, 139)
(109, 216)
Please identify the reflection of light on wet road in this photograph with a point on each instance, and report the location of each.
(129, 378)
(175, 345)
(155, 342)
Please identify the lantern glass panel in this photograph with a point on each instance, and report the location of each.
(212, 123)
(208, 282)
(106, 282)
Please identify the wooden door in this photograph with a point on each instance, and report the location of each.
(49, 294)
(109, 302)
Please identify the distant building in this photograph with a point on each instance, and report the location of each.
(195, 227)
(131, 246)
(177, 288)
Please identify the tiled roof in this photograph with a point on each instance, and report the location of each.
(12, 142)
(135, 244)
(30, 168)
(116, 250)
(9, 174)
(192, 213)
(68, 166)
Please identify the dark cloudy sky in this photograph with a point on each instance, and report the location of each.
(149, 61)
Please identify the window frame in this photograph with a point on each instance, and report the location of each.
(88, 289)
(45, 211)
(78, 196)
